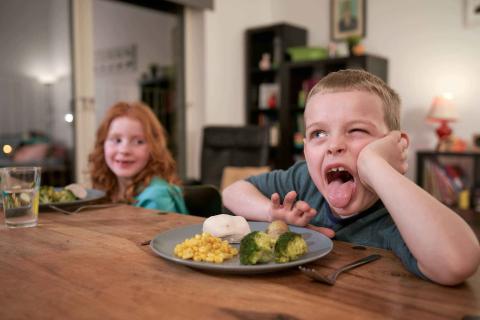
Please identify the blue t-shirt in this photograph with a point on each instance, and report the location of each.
(374, 227)
(161, 195)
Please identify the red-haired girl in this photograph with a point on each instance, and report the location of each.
(131, 162)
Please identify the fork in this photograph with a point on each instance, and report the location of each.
(88, 206)
(332, 277)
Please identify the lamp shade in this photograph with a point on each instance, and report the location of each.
(442, 110)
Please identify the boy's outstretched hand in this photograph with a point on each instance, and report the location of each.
(298, 213)
(393, 148)
(293, 212)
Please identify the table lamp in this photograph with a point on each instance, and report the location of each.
(443, 111)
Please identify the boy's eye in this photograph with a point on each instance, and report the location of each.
(358, 130)
(319, 134)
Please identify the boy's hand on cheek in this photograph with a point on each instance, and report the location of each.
(293, 212)
(393, 149)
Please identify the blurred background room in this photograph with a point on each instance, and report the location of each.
(203, 63)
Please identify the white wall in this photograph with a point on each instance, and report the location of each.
(225, 56)
(435, 53)
(35, 47)
(215, 55)
(429, 49)
(24, 27)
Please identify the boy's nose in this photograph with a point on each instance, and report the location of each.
(336, 147)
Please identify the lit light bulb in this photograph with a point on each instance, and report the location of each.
(68, 117)
(7, 149)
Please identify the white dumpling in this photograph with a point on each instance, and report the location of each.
(232, 228)
(78, 191)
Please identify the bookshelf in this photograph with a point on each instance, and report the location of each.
(451, 177)
(159, 94)
(266, 55)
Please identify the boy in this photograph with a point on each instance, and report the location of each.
(352, 183)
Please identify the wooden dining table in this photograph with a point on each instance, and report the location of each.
(95, 264)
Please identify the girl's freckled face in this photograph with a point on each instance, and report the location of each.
(126, 149)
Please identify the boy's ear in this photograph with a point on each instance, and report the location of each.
(404, 135)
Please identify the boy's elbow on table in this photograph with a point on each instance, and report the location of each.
(455, 272)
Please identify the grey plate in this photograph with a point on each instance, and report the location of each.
(92, 195)
(164, 243)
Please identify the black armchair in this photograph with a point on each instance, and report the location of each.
(202, 200)
(223, 146)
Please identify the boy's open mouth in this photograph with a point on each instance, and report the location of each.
(340, 186)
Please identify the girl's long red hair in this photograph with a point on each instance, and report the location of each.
(161, 162)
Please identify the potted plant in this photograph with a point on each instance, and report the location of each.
(354, 45)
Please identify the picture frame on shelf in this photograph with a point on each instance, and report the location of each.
(472, 13)
(347, 19)
(476, 142)
(269, 95)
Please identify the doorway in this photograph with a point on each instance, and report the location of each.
(138, 55)
(36, 88)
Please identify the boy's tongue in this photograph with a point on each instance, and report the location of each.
(339, 193)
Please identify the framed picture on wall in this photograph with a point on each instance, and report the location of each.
(347, 19)
(472, 13)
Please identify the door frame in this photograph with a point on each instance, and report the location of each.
(83, 101)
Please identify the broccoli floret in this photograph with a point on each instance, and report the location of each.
(46, 194)
(289, 247)
(256, 247)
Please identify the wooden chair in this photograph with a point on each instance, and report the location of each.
(233, 174)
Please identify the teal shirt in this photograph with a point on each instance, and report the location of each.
(374, 227)
(160, 195)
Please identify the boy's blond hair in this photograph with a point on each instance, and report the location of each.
(350, 79)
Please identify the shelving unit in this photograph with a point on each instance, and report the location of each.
(271, 40)
(286, 81)
(158, 94)
(446, 175)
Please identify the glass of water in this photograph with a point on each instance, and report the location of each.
(20, 193)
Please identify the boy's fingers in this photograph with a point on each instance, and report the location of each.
(302, 213)
(289, 200)
(325, 231)
(275, 198)
(297, 214)
(302, 205)
(306, 217)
